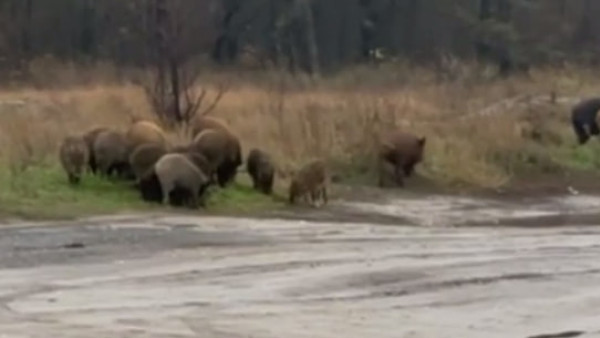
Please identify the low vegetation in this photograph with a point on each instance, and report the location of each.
(481, 133)
(40, 192)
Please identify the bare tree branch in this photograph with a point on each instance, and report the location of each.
(198, 102)
(215, 102)
(173, 93)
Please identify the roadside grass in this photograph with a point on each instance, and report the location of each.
(242, 198)
(479, 135)
(42, 192)
(586, 158)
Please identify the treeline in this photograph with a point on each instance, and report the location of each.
(300, 35)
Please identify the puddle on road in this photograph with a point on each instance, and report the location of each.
(453, 211)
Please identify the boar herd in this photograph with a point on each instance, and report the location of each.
(179, 175)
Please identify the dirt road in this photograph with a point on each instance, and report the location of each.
(411, 275)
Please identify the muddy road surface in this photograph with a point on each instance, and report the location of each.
(433, 267)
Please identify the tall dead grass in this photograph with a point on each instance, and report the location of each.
(337, 119)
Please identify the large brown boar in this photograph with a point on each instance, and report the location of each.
(223, 152)
(584, 119)
(200, 123)
(143, 132)
(174, 179)
(198, 159)
(111, 150)
(144, 156)
(403, 151)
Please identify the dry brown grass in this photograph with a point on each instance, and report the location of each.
(332, 119)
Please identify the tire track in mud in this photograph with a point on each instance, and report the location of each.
(356, 281)
(306, 279)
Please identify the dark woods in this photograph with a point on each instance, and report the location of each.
(313, 36)
(308, 35)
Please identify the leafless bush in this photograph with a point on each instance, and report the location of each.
(171, 91)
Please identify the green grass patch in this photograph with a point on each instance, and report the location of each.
(585, 157)
(241, 197)
(42, 192)
(562, 150)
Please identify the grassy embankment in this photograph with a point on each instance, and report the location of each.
(336, 118)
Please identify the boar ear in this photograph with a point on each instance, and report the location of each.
(422, 141)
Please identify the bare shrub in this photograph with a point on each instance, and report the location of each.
(172, 89)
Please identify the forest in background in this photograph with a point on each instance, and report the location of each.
(316, 36)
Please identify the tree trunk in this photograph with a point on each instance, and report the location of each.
(584, 33)
(485, 9)
(410, 25)
(562, 8)
(26, 29)
(175, 89)
(87, 41)
(161, 27)
(482, 48)
(311, 39)
(504, 10)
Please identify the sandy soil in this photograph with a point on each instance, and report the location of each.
(422, 272)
